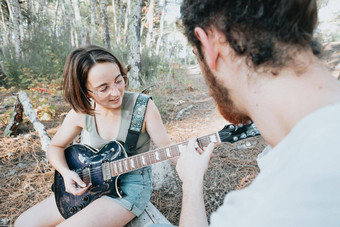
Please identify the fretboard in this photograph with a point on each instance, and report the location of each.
(151, 157)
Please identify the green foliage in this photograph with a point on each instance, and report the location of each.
(6, 117)
(42, 61)
(42, 103)
(164, 76)
(7, 101)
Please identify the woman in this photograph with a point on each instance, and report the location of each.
(94, 85)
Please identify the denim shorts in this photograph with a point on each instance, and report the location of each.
(137, 187)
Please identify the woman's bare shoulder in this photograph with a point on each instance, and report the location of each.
(75, 118)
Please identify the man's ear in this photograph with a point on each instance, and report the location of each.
(208, 45)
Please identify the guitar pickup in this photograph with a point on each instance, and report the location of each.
(106, 171)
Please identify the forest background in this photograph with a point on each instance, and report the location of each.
(37, 35)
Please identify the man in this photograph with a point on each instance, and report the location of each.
(259, 60)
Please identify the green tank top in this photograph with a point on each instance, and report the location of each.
(90, 136)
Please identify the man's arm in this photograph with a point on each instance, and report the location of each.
(191, 167)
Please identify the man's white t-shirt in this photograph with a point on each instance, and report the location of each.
(299, 179)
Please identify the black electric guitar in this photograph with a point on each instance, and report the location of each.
(102, 168)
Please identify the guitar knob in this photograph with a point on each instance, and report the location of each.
(73, 210)
(86, 198)
(231, 127)
(81, 206)
(235, 138)
(243, 135)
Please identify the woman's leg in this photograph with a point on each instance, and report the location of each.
(101, 212)
(44, 213)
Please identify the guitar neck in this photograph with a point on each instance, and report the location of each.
(151, 157)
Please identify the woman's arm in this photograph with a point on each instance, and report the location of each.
(154, 126)
(71, 127)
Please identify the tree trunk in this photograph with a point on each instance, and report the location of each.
(66, 22)
(70, 12)
(6, 38)
(105, 22)
(93, 19)
(29, 18)
(126, 21)
(76, 10)
(2, 68)
(17, 10)
(134, 59)
(79, 31)
(120, 21)
(14, 15)
(41, 11)
(3, 18)
(161, 28)
(16, 119)
(164, 176)
(142, 25)
(55, 22)
(149, 18)
(114, 11)
(3, 31)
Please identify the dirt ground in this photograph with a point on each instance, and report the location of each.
(26, 175)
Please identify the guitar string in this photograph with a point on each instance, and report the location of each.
(152, 159)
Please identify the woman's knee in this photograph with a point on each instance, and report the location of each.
(44, 213)
(23, 220)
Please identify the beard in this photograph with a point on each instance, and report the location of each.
(221, 96)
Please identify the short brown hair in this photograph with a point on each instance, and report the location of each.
(77, 67)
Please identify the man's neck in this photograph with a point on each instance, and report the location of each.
(279, 104)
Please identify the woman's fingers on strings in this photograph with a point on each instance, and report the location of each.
(79, 182)
(80, 191)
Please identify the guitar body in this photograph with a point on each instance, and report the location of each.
(88, 163)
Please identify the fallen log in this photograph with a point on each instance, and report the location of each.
(28, 109)
(180, 113)
(16, 119)
(150, 216)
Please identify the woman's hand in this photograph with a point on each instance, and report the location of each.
(73, 183)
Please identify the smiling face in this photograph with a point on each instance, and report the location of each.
(106, 85)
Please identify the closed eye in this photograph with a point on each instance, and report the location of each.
(119, 81)
(103, 89)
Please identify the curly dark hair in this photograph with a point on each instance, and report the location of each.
(262, 30)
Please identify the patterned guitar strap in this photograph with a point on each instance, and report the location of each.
(136, 123)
